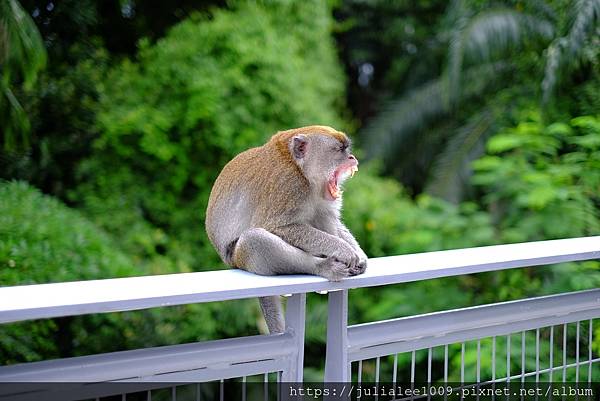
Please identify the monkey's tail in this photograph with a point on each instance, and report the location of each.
(273, 313)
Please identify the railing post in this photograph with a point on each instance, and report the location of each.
(337, 368)
(294, 324)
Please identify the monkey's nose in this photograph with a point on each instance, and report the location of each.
(351, 157)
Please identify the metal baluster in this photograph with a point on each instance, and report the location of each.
(395, 371)
(377, 364)
(412, 373)
(522, 357)
(577, 353)
(508, 363)
(429, 351)
(551, 369)
(360, 371)
(429, 358)
(478, 361)
(359, 376)
(523, 352)
(494, 358)
(462, 363)
(243, 388)
(590, 334)
(199, 392)
(590, 358)
(266, 386)
(551, 352)
(278, 384)
(564, 352)
(537, 355)
(478, 374)
(446, 363)
(494, 368)
(222, 389)
(508, 358)
(148, 396)
(174, 393)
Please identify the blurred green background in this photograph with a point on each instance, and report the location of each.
(476, 122)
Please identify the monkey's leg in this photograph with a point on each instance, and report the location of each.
(261, 252)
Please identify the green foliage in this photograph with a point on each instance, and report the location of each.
(208, 90)
(524, 162)
(154, 130)
(405, 225)
(37, 247)
(543, 181)
(515, 38)
(62, 107)
(42, 241)
(564, 52)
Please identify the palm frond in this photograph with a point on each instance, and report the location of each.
(21, 47)
(405, 117)
(542, 8)
(564, 52)
(14, 119)
(489, 36)
(587, 14)
(22, 56)
(402, 117)
(554, 56)
(452, 167)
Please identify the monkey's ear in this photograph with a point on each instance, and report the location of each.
(299, 146)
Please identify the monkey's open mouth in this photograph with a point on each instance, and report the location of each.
(339, 176)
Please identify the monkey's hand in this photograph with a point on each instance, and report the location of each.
(346, 254)
(362, 262)
(347, 236)
(332, 268)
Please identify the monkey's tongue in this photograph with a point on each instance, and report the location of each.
(339, 176)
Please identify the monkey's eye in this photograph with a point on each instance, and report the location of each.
(342, 148)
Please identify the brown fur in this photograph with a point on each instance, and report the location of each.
(271, 168)
(268, 211)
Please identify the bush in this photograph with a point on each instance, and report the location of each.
(43, 241)
(213, 87)
(388, 222)
(542, 180)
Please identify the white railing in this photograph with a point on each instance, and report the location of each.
(283, 353)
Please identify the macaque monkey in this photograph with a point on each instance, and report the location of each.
(275, 209)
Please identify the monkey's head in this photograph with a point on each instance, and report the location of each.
(323, 155)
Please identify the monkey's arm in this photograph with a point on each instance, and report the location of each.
(347, 236)
(318, 243)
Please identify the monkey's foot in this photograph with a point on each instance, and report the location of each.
(334, 270)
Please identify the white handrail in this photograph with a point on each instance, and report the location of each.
(96, 296)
